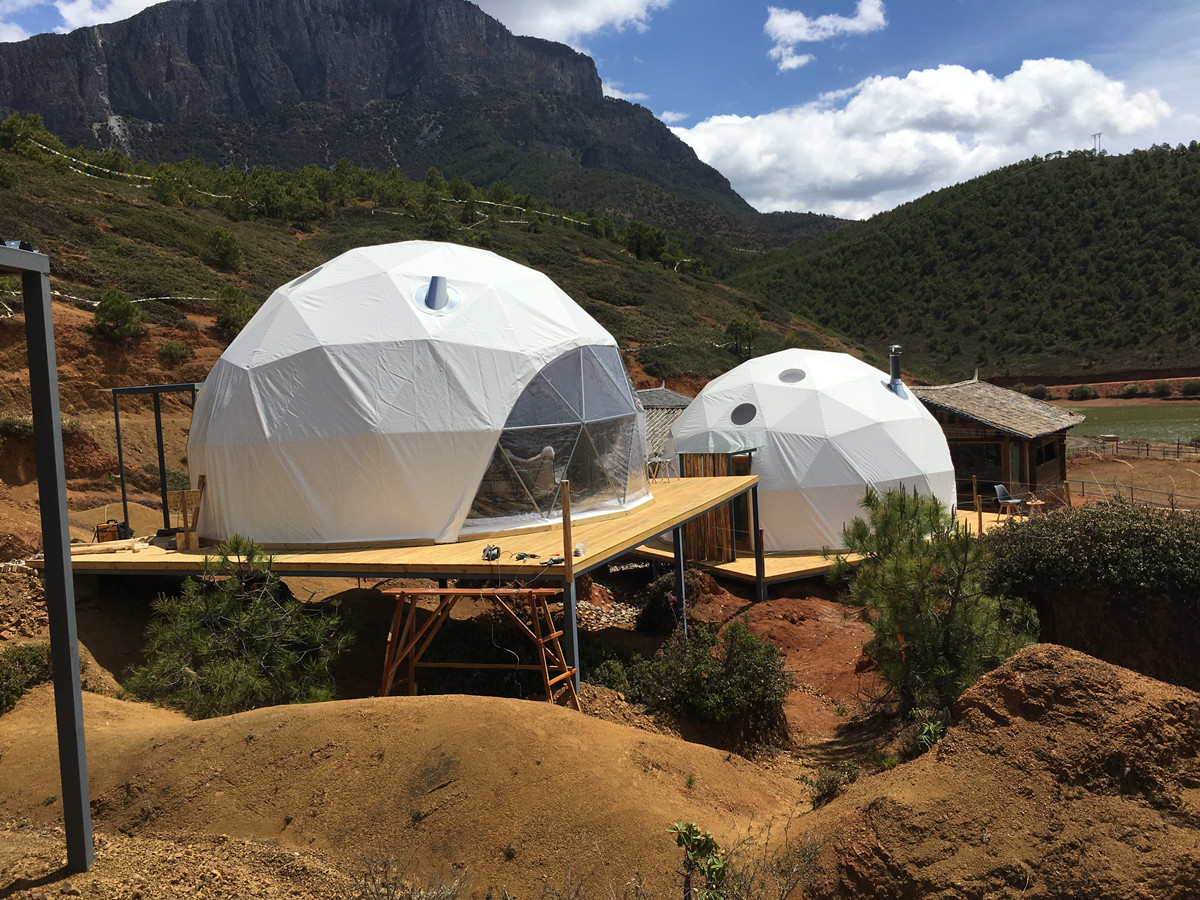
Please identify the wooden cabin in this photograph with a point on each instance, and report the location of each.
(663, 406)
(1001, 436)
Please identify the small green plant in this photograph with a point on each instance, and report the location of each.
(234, 310)
(829, 781)
(50, 801)
(1190, 388)
(690, 781)
(1081, 392)
(173, 352)
(8, 178)
(702, 857)
(176, 480)
(930, 728)
(237, 639)
(117, 318)
(1162, 389)
(389, 879)
(510, 853)
(1130, 391)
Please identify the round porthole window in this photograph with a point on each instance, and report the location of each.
(791, 376)
(743, 413)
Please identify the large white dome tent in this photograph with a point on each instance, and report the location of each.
(822, 427)
(413, 392)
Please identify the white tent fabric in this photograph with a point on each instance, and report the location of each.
(823, 426)
(351, 410)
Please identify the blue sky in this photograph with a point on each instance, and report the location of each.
(851, 107)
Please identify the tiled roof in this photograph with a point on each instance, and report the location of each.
(663, 398)
(998, 407)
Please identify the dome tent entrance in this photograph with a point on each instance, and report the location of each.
(822, 427)
(363, 403)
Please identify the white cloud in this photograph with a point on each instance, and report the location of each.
(894, 139)
(672, 118)
(613, 89)
(78, 13)
(10, 32)
(570, 21)
(787, 28)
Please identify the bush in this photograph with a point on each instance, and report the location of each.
(1130, 391)
(20, 669)
(234, 310)
(1162, 389)
(731, 678)
(660, 612)
(1082, 392)
(173, 352)
(224, 249)
(117, 318)
(921, 575)
(237, 639)
(1036, 391)
(176, 480)
(8, 178)
(1190, 388)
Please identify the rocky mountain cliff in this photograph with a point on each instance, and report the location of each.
(410, 83)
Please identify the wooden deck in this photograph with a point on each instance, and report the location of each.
(788, 566)
(675, 502)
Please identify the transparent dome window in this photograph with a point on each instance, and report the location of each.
(791, 376)
(576, 421)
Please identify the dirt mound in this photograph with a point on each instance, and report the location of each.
(517, 792)
(1065, 777)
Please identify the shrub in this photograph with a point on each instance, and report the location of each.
(936, 629)
(234, 310)
(1162, 389)
(237, 639)
(660, 612)
(223, 247)
(8, 178)
(117, 318)
(176, 480)
(731, 678)
(1129, 391)
(1082, 392)
(20, 669)
(1036, 391)
(1190, 388)
(159, 313)
(173, 352)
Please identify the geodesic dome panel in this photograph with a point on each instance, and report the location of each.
(576, 421)
(353, 408)
(823, 427)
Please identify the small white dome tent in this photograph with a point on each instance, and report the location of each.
(413, 392)
(823, 426)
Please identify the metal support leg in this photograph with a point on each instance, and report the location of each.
(60, 589)
(570, 644)
(760, 562)
(680, 591)
(162, 462)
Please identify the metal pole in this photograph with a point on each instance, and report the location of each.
(121, 467)
(570, 604)
(60, 589)
(760, 561)
(162, 462)
(680, 593)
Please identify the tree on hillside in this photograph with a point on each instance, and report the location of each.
(117, 318)
(743, 333)
(921, 574)
(223, 247)
(644, 241)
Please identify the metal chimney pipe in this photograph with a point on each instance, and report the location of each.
(894, 359)
(436, 297)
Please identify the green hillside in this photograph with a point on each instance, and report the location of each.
(149, 232)
(1063, 265)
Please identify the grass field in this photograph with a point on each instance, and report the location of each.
(1169, 422)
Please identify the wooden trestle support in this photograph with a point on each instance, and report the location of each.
(408, 642)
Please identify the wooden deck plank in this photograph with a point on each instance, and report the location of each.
(674, 502)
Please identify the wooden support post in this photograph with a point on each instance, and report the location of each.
(760, 561)
(570, 601)
(680, 591)
(978, 505)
